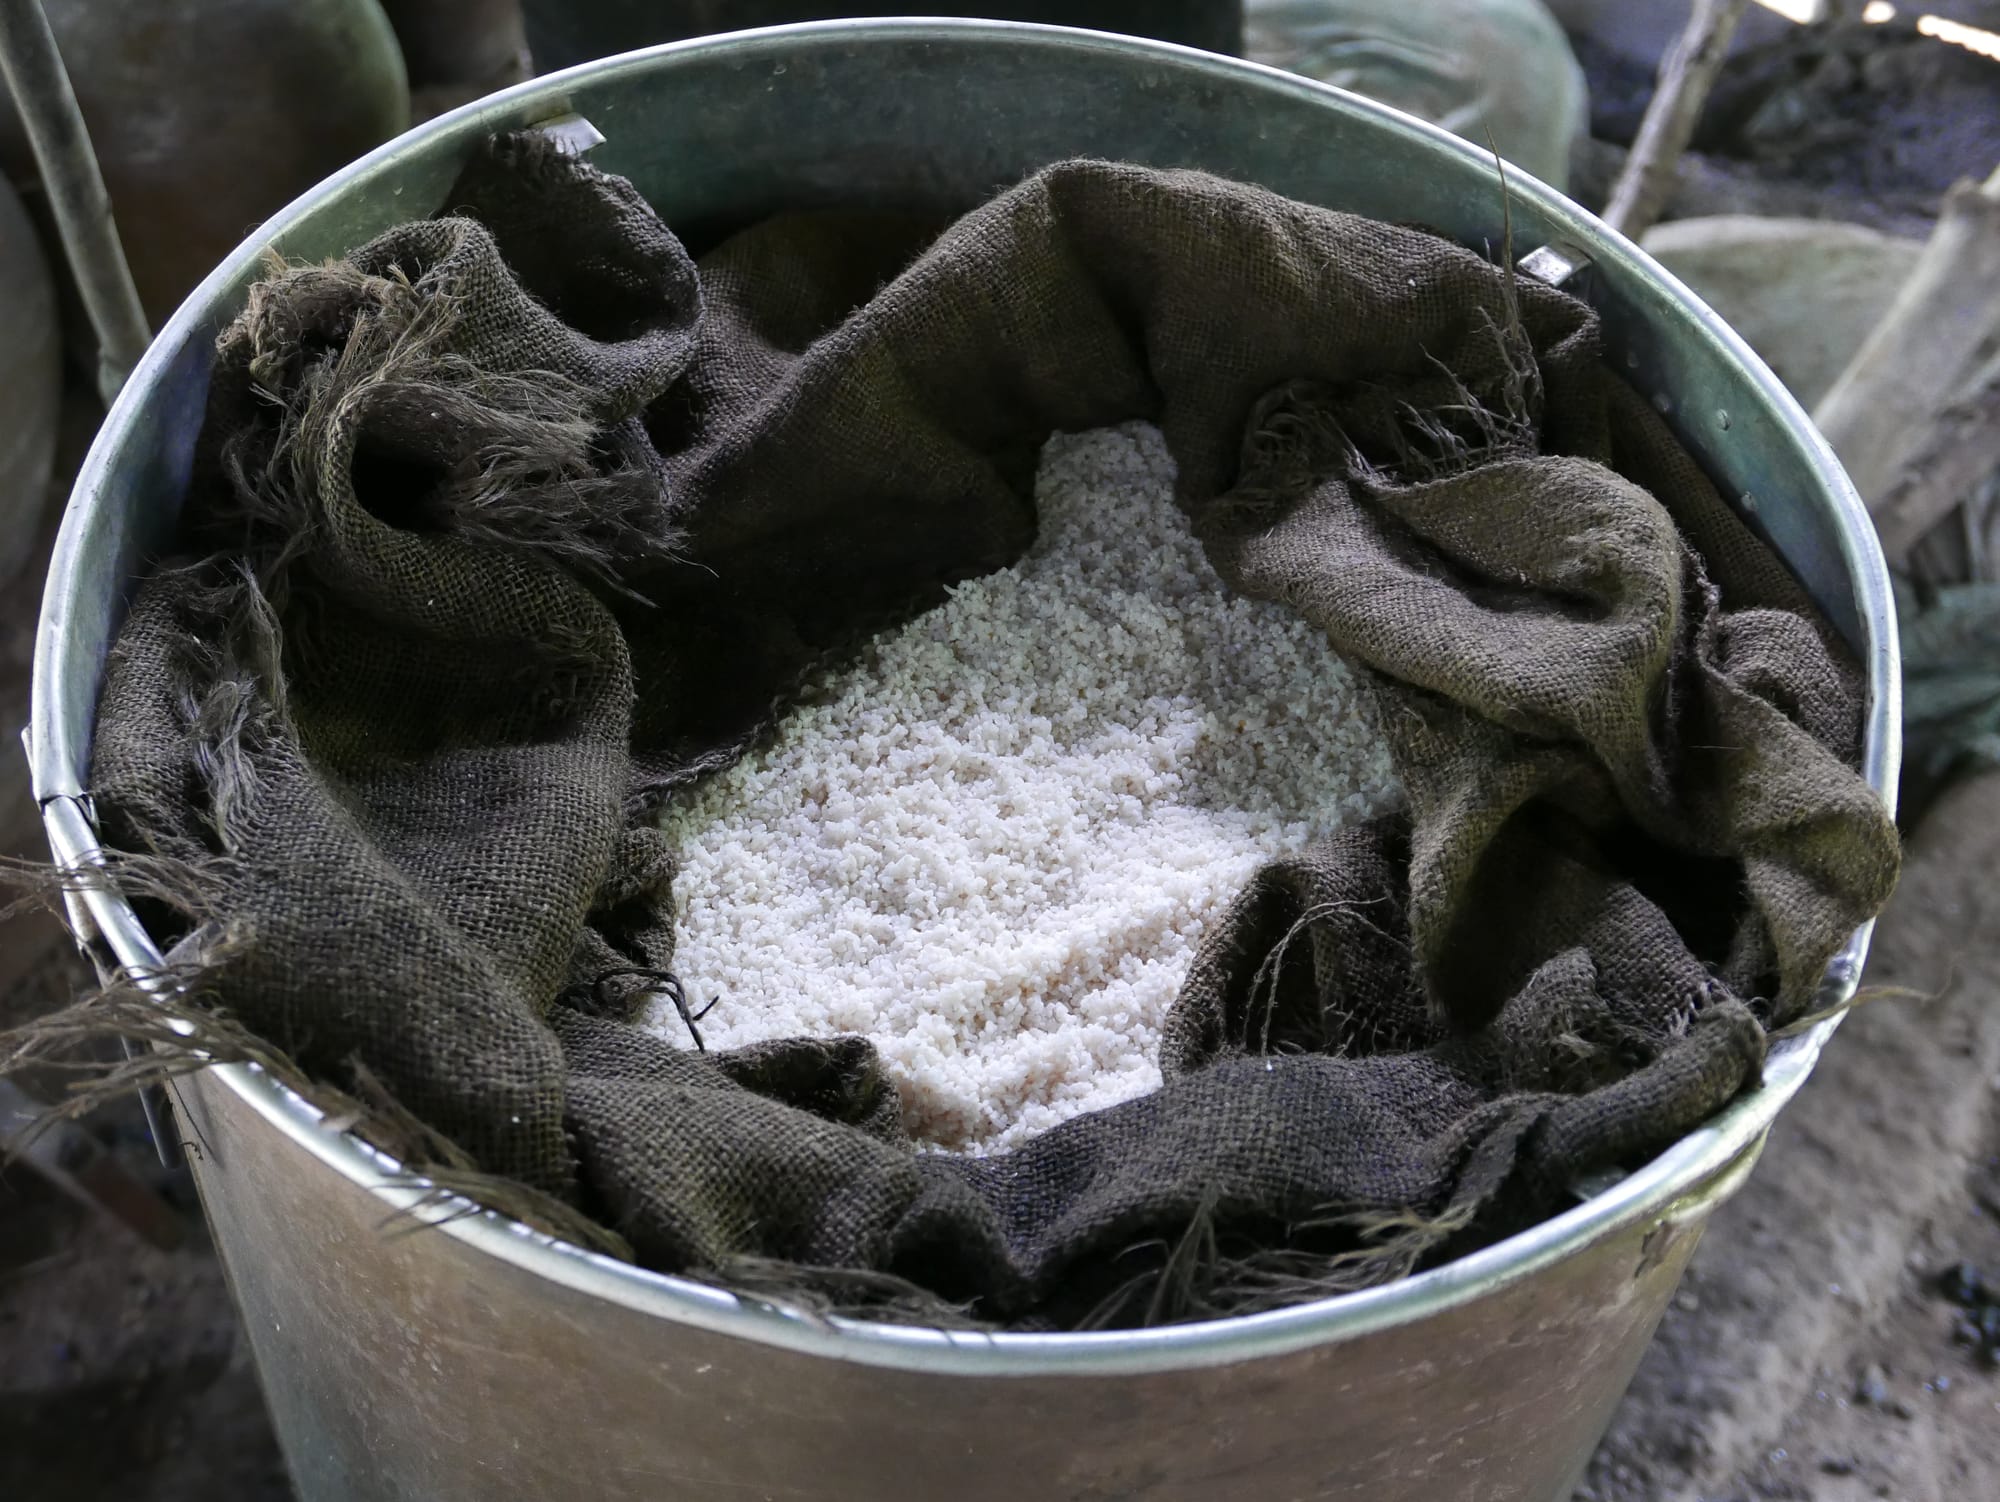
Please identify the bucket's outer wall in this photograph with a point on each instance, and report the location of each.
(468, 1360)
(409, 1366)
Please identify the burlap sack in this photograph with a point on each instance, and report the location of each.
(516, 521)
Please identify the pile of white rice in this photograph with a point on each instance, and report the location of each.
(994, 843)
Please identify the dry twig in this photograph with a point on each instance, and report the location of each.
(1915, 417)
(1944, 468)
(1686, 76)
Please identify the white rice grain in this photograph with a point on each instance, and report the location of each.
(993, 844)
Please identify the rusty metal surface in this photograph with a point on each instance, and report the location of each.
(413, 1349)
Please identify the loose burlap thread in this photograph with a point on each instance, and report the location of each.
(515, 521)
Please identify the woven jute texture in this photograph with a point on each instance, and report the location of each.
(517, 520)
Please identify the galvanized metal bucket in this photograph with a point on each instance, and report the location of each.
(474, 1358)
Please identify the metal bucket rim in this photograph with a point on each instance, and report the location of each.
(1685, 1174)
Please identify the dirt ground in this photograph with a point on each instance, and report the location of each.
(124, 1377)
(1808, 1355)
(121, 1374)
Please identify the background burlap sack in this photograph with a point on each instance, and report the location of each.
(514, 522)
